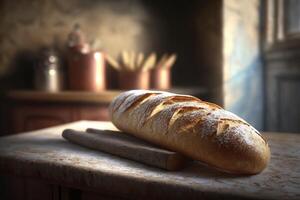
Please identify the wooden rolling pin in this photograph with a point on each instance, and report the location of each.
(119, 144)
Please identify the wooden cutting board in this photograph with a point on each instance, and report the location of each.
(126, 146)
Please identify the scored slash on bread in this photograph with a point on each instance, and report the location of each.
(198, 129)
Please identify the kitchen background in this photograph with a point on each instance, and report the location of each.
(227, 48)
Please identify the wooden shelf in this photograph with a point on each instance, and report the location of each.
(85, 97)
(30, 110)
(64, 96)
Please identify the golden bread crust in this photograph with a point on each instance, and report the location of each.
(200, 130)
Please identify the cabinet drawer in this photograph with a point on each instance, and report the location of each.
(92, 112)
(32, 117)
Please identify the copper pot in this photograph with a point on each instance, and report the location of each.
(161, 78)
(134, 80)
(87, 71)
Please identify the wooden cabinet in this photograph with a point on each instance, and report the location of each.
(283, 91)
(282, 61)
(26, 117)
(29, 110)
(21, 188)
(32, 110)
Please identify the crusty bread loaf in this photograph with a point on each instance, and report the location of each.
(200, 130)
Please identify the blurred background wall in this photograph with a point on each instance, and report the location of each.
(26, 26)
(113, 26)
(218, 42)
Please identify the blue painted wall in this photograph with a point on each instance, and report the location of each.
(242, 78)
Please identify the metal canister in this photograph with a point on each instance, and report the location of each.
(48, 72)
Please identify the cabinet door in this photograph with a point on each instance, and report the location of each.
(37, 116)
(95, 112)
(283, 95)
(16, 188)
(282, 56)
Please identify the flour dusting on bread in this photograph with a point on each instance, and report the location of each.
(193, 127)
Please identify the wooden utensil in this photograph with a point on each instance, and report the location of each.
(112, 62)
(117, 143)
(125, 60)
(149, 62)
(140, 59)
(169, 62)
(161, 61)
(132, 64)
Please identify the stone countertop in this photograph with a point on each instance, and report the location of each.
(45, 155)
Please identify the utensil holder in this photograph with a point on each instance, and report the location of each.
(161, 78)
(134, 80)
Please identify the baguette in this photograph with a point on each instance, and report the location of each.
(200, 130)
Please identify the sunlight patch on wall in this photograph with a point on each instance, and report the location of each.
(242, 62)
